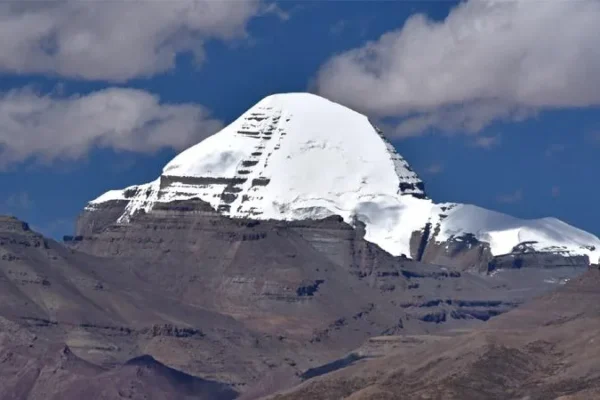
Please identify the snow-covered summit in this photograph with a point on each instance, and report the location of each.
(299, 156)
(294, 138)
(291, 156)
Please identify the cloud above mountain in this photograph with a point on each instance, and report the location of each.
(486, 61)
(114, 40)
(51, 127)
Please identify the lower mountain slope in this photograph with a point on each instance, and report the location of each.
(253, 305)
(107, 315)
(34, 368)
(546, 349)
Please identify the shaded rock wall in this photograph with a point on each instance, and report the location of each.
(468, 253)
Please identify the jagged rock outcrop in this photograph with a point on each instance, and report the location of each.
(466, 252)
(463, 252)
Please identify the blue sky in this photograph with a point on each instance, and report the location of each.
(534, 155)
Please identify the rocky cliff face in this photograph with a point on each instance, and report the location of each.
(312, 279)
(90, 222)
(466, 252)
(318, 280)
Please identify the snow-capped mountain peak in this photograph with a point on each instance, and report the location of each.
(299, 156)
(291, 156)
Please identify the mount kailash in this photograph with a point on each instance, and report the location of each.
(298, 156)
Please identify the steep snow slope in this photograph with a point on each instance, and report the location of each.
(299, 156)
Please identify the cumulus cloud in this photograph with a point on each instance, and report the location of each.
(487, 61)
(114, 40)
(49, 127)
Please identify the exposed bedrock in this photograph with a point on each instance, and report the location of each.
(466, 252)
(536, 260)
(314, 285)
(295, 276)
(95, 220)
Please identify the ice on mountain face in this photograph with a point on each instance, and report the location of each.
(504, 232)
(299, 156)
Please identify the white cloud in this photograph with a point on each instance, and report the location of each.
(487, 60)
(114, 39)
(47, 127)
(486, 142)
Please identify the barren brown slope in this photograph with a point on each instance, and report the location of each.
(548, 349)
(107, 315)
(256, 305)
(34, 368)
(231, 301)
